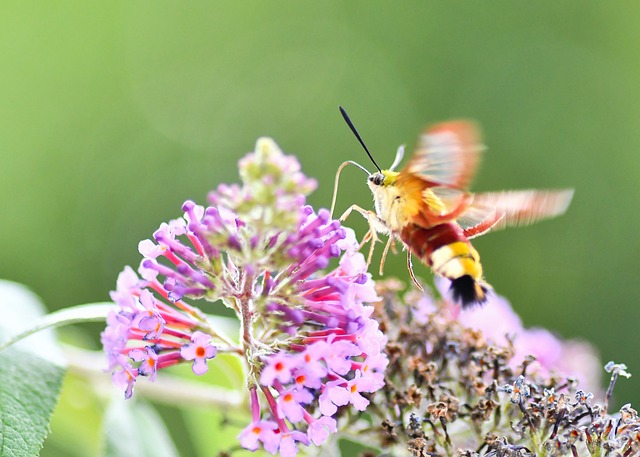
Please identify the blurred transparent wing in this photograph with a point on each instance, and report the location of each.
(428, 206)
(447, 154)
(498, 210)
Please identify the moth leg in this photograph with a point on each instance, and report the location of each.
(394, 249)
(411, 273)
(374, 240)
(375, 226)
(390, 244)
(370, 235)
(365, 238)
(364, 212)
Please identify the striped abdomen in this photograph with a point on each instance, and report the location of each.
(447, 251)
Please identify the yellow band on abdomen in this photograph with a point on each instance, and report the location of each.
(456, 260)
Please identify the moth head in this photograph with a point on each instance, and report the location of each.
(382, 178)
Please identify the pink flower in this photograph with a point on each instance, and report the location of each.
(278, 367)
(357, 385)
(125, 376)
(256, 432)
(200, 350)
(333, 395)
(148, 361)
(288, 440)
(290, 403)
(320, 429)
(335, 354)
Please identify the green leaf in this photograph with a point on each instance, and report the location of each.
(31, 375)
(29, 389)
(134, 429)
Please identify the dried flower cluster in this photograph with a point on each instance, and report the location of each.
(501, 326)
(450, 392)
(309, 343)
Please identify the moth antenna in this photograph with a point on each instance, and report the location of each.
(398, 159)
(355, 132)
(335, 183)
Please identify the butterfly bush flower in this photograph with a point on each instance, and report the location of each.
(310, 344)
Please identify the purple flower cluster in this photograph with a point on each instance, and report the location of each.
(306, 335)
(339, 358)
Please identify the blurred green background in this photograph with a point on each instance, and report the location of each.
(111, 115)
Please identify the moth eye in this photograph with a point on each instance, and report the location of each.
(376, 179)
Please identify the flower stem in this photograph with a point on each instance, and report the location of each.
(246, 314)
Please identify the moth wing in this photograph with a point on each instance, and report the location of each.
(447, 154)
(497, 210)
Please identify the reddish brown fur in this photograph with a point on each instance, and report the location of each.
(422, 242)
(467, 288)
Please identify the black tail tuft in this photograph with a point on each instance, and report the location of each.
(468, 291)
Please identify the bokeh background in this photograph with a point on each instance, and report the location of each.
(112, 114)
